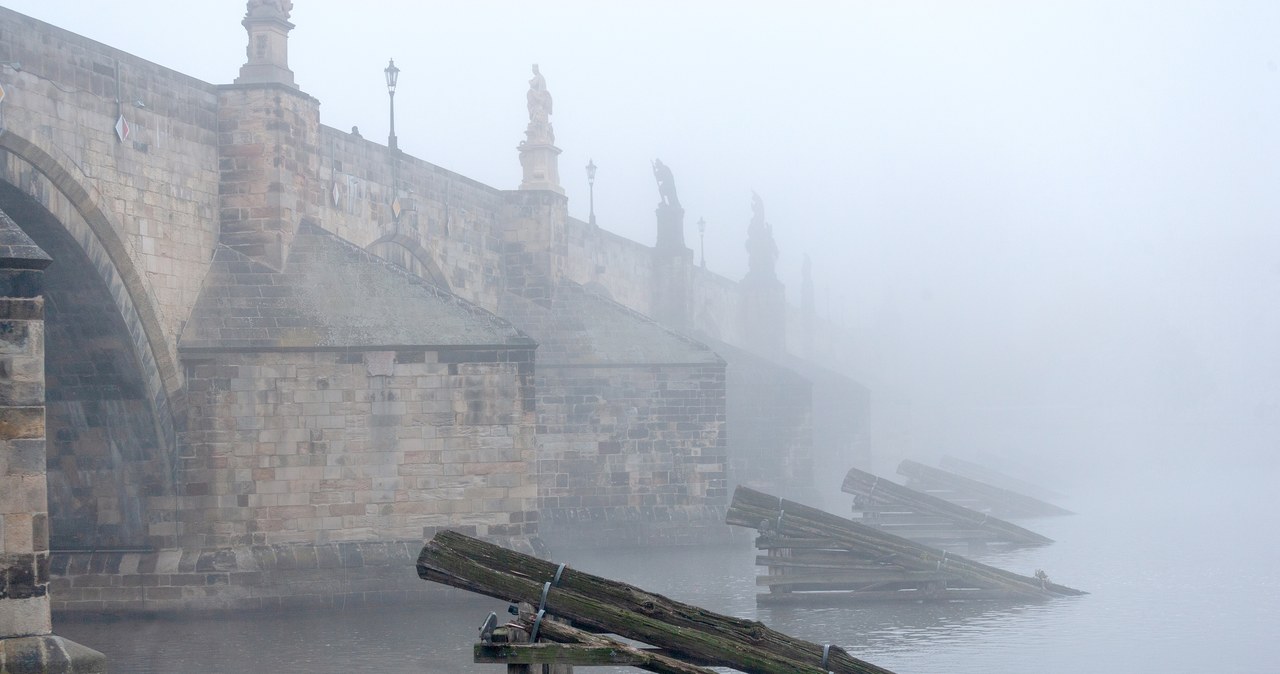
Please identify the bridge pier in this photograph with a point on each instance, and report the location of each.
(27, 643)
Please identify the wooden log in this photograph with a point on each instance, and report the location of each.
(882, 491)
(758, 510)
(880, 596)
(850, 578)
(994, 477)
(604, 605)
(1001, 501)
(593, 649)
(835, 561)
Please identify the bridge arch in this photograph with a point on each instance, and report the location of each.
(409, 253)
(113, 387)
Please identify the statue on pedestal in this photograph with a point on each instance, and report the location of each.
(666, 184)
(539, 98)
(267, 53)
(762, 251)
(269, 9)
(537, 150)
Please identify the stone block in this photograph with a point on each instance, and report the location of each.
(21, 422)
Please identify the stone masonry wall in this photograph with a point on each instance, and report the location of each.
(106, 453)
(159, 185)
(449, 229)
(24, 514)
(326, 446)
(268, 165)
(620, 267)
(533, 246)
(248, 577)
(628, 454)
(770, 411)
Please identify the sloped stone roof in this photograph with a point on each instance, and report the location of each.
(740, 360)
(581, 328)
(332, 294)
(17, 250)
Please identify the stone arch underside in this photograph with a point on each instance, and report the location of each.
(110, 413)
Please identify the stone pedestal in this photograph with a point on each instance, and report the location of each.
(267, 58)
(541, 165)
(672, 262)
(670, 239)
(26, 642)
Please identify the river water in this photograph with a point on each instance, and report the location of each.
(1182, 573)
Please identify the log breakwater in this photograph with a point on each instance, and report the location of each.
(691, 635)
(815, 556)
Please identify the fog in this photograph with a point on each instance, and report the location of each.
(1049, 226)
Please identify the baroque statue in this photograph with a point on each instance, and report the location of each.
(666, 184)
(539, 99)
(270, 8)
(762, 251)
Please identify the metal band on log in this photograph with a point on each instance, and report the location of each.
(609, 606)
(1005, 502)
(751, 508)
(882, 492)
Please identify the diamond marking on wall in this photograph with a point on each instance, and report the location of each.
(122, 128)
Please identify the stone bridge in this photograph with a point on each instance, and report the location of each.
(278, 355)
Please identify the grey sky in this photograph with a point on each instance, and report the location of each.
(1013, 204)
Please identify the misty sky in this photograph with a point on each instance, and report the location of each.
(1050, 205)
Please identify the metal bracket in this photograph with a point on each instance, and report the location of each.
(486, 630)
(537, 623)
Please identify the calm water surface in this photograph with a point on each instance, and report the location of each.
(1182, 571)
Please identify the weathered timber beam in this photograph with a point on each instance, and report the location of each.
(1010, 502)
(755, 509)
(851, 565)
(994, 477)
(854, 577)
(881, 491)
(608, 606)
(844, 598)
(606, 651)
(550, 654)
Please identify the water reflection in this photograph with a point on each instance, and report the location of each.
(1176, 585)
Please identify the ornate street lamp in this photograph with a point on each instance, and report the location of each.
(702, 240)
(591, 187)
(392, 73)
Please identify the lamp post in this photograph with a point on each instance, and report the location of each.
(702, 240)
(591, 189)
(392, 73)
